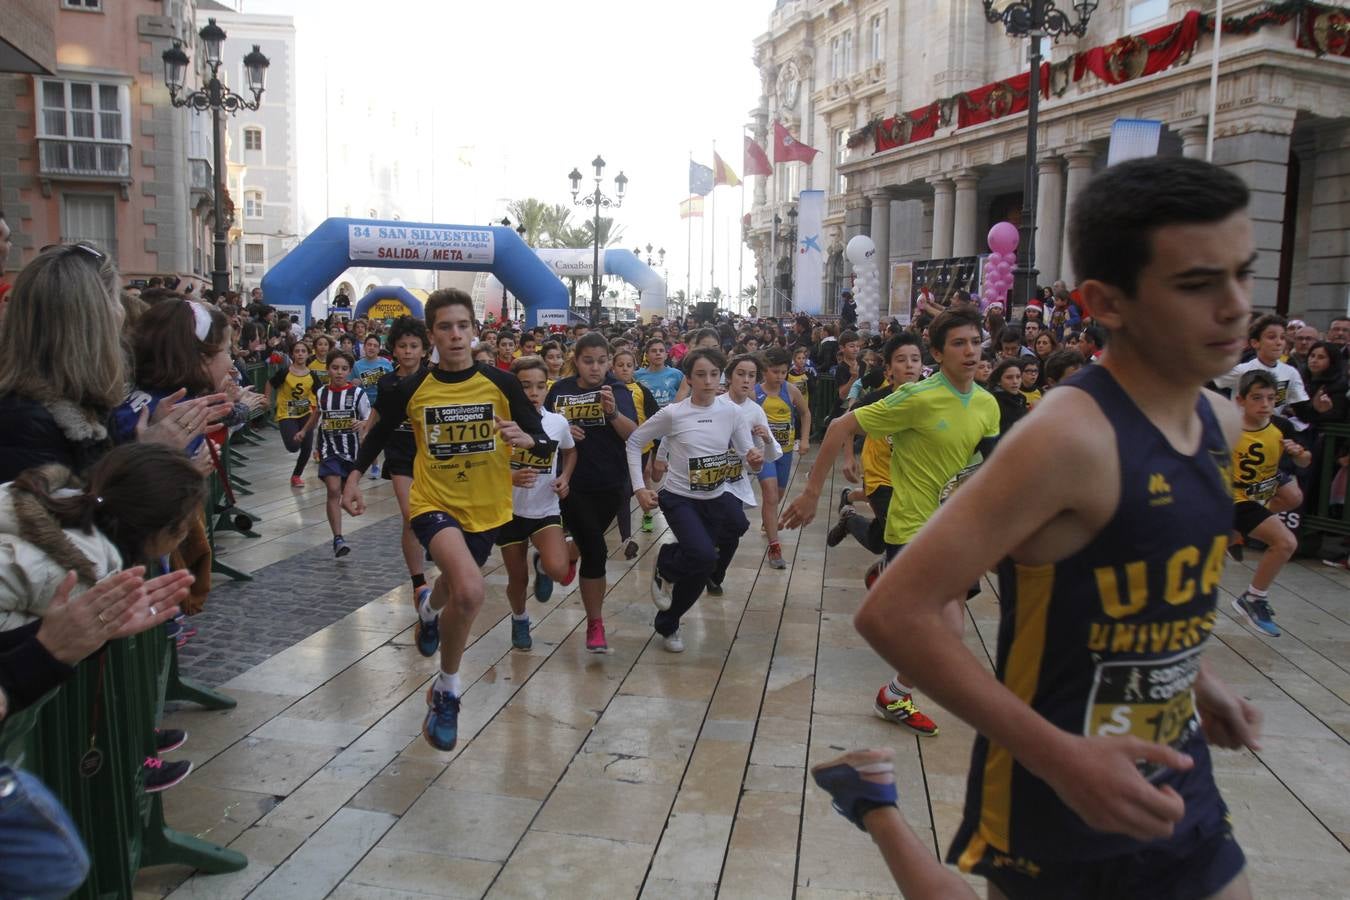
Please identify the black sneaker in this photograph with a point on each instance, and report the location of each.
(161, 775)
(844, 498)
(839, 529)
(714, 589)
(167, 739)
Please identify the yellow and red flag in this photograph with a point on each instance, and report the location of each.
(691, 208)
(722, 173)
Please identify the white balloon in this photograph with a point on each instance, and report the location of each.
(860, 249)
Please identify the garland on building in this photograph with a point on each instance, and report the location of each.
(1320, 28)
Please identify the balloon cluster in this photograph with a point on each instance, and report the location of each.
(998, 266)
(862, 253)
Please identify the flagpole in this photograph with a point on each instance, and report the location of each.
(689, 252)
(712, 237)
(740, 244)
(702, 243)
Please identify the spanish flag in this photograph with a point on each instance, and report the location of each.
(722, 173)
(691, 208)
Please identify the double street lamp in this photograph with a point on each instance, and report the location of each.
(599, 201)
(1035, 19)
(661, 254)
(218, 98)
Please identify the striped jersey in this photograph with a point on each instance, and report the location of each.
(339, 411)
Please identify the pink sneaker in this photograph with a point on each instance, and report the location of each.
(595, 637)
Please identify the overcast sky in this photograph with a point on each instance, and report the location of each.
(537, 87)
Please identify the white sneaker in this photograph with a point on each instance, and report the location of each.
(673, 643)
(660, 591)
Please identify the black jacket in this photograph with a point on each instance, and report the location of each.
(35, 433)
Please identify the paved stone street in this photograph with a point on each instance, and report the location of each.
(643, 773)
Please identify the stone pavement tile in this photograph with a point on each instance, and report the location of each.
(605, 808)
(754, 874)
(694, 682)
(647, 727)
(836, 855)
(552, 866)
(308, 731)
(766, 823)
(712, 783)
(691, 848)
(496, 764)
(353, 891)
(423, 873)
(357, 696)
(295, 671)
(264, 765)
(670, 889)
(229, 886)
(214, 814)
(782, 779)
(396, 787)
(323, 861)
(267, 846)
(462, 824)
(312, 804)
(211, 731)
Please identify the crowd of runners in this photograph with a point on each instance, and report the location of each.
(1091, 772)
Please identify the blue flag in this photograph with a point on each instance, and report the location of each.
(700, 179)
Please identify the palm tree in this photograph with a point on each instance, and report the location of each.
(533, 214)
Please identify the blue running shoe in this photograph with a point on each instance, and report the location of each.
(340, 548)
(1257, 611)
(426, 634)
(441, 728)
(520, 634)
(543, 585)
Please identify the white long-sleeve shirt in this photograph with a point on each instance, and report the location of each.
(754, 415)
(697, 440)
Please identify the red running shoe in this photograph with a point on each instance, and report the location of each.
(902, 711)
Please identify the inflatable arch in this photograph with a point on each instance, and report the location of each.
(388, 302)
(340, 243)
(580, 263)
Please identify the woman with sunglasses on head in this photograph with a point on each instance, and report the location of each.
(63, 369)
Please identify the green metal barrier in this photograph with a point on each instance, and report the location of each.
(824, 401)
(1327, 518)
(122, 826)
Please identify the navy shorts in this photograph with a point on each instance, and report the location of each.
(336, 466)
(429, 524)
(520, 529)
(1186, 867)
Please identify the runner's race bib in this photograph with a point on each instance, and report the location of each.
(528, 459)
(297, 408)
(781, 432)
(339, 421)
(1262, 490)
(582, 410)
(708, 473)
(460, 429)
(1149, 699)
(956, 481)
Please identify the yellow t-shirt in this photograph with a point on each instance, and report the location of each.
(320, 368)
(295, 396)
(1256, 461)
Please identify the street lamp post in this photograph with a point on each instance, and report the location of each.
(216, 97)
(522, 231)
(598, 201)
(1035, 19)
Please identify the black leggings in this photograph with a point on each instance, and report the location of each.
(586, 515)
(289, 427)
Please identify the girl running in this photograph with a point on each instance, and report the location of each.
(323, 345)
(294, 388)
(704, 516)
(623, 365)
(344, 411)
(599, 410)
(537, 483)
(779, 399)
(553, 358)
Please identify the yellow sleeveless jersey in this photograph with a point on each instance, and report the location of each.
(295, 396)
(320, 368)
(797, 380)
(778, 410)
(1256, 461)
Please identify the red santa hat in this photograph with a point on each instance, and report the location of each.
(1034, 306)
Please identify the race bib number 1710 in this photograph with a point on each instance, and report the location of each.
(460, 429)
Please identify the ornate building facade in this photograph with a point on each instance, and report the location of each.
(915, 109)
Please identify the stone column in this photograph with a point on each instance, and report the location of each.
(881, 236)
(1261, 160)
(1079, 164)
(963, 227)
(1049, 218)
(1328, 266)
(942, 217)
(1193, 141)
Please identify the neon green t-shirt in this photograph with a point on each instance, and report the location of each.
(934, 430)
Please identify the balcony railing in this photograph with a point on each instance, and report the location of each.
(84, 159)
(836, 205)
(200, 171)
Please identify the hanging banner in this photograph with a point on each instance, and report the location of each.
(902, 293)
(810, 261)
(915, 125)
(419, 244)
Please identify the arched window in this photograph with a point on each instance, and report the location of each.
(253, 204)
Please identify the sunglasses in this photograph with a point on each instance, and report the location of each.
(98, 255)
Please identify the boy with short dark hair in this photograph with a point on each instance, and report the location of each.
(341, 410)
(1256, 479)
(1266, 337)
(848, 369)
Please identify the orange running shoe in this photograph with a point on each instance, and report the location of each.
(902, 711)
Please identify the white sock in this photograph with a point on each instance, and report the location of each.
(424, 610)
(898, 688)
(523, 617)
(448, 681)
(1260, 595)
